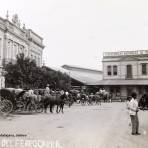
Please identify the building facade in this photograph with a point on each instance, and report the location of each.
(125, 72)
(14, 40)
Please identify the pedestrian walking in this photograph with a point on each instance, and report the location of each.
(134, 114)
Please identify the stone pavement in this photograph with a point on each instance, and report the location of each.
(105, 126)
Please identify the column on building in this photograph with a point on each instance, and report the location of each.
(2, 82)
(1, 52)
(9, 49)
(14, 51)
(17, 48)
(8, 46)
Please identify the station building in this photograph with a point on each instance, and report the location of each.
(125, 72)
(15, 39)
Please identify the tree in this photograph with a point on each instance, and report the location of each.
(56, 79)
(25, 73)
(20, 74)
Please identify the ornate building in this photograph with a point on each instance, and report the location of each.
(15, 39)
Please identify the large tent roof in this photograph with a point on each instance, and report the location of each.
(83, 75)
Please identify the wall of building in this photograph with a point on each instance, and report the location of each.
(105, 72)
(17, 40)
(2, 79)
(122, 68)
(2, 82)
(14, 46)
(121, 60)
(35, 52)
(140, 76)
(1, 45)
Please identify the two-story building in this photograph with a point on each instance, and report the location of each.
(125, 72)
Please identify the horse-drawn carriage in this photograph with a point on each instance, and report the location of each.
(15, 100)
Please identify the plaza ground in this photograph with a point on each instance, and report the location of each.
(105, 126)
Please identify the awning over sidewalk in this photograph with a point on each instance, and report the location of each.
(120, 82)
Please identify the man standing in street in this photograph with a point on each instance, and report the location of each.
(133, 111)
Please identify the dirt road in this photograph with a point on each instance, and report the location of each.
(105, 126)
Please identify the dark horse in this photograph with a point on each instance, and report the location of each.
(54, 100)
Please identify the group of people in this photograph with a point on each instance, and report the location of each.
(30, 92)
(102, 91)
(132, 108)
(99, 95)
(132, 105)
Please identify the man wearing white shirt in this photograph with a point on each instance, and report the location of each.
(133, 111)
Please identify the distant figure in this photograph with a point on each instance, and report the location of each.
(103, 91)
(133, 111)
(47, 90)
(78, 96)
(30, 97)
(100, 91)
(128, 108)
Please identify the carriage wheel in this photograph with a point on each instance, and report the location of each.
(39, 108)
(20, 106)
(6, 106)
(31, 107)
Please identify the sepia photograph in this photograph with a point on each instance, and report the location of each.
(74, 74)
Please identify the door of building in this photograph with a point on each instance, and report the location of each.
(129, 71)
(129, 91)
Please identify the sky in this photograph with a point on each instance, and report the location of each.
(77, 32)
